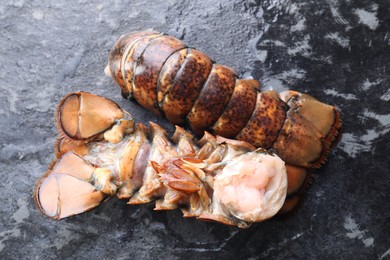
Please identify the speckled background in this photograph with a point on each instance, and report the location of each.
(336, 50)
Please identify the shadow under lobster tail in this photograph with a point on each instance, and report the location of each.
(309, 130)
(71, 187)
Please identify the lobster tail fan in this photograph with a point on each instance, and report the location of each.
(65, 190)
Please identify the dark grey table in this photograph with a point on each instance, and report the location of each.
(337, 51)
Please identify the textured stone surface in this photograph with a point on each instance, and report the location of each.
(337, 51)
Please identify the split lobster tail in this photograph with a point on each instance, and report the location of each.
(215, 179)
(169, 78)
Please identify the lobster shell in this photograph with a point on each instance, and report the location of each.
(102, 152)
(169, 78)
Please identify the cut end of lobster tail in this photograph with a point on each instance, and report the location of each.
(251, 187)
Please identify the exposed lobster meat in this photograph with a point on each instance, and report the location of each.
(101, 152)
(165, 76)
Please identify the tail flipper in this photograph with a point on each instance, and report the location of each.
(67, 190)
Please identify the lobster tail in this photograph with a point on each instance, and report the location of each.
(216, 179)
(169, 78)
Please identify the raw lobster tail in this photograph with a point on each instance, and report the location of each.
(165, 76)
(101, 152)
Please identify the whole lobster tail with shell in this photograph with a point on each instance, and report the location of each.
(169, 78)
(101, 153)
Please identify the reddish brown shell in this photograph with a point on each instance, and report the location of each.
(165, 76)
